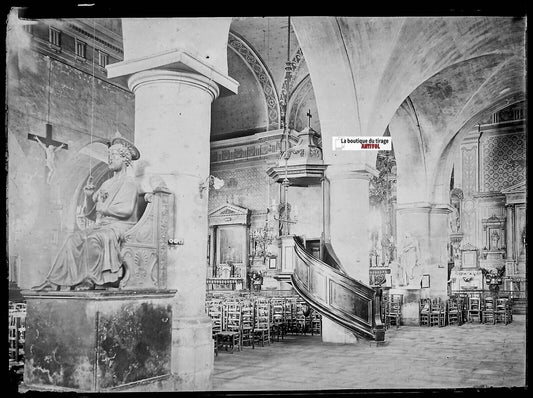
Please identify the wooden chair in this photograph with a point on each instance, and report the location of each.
(454, 311)
(424, 310)
(437, 313)
(462, 304)
(247, 323)
(474, 308)
(17, 331)
(213, 309)
(289, 314)
(393, 312)
(316, 323)
(489, 309)
(231, 335)
(302, 316)
(503, 312)
(278, 321)
(262, 325)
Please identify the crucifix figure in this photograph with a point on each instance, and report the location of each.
(309, 116)
(50, 147)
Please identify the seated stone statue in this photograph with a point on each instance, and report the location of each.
(91, 258)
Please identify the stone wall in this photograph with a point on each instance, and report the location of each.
(41, 215)
(492, 160)
(242, 165)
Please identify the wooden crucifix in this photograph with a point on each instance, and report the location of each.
(309, 116)
(50, 147)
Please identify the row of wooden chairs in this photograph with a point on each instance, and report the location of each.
(434, 312)
(487, 309)
(252, 321)
(467, 308)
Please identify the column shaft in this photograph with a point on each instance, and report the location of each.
(172, 129)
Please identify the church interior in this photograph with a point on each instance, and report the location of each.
(257, 244)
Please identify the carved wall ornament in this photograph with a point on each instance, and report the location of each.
(469, 167)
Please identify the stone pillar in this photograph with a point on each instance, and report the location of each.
(348, 228)
(428, 224)
(172, 129)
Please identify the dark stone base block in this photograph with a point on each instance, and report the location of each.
(97, 340)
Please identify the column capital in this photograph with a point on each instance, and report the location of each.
(156, 76)
(351, 172)
(174, 60)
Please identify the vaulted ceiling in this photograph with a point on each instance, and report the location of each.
(453, 71)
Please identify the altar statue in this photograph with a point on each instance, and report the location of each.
(91, 258)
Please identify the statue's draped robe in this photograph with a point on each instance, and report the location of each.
(94, 253)
(409, 261)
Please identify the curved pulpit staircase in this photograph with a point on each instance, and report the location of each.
(327, 288)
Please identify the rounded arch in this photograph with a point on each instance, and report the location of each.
(440, 178)
(303, 93)
(446, 104)
(254, 62)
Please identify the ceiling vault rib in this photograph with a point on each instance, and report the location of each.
(351, 72)
(421, 141)
(494, 73)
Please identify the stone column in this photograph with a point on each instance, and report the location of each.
(428, 224)
(172, 129)
(348, 228)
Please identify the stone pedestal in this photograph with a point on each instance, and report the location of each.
(97, 341)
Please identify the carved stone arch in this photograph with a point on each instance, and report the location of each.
(297, 61)
(258, 68)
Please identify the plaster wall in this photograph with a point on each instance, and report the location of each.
(40, 213)
(241, 112)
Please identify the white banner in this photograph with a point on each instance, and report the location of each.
(352, 143)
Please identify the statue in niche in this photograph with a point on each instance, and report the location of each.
(91, 258)
(409, 260)
(494, 239)
(50, 157)
(387, 248)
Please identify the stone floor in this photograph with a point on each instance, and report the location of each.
(451, 357)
